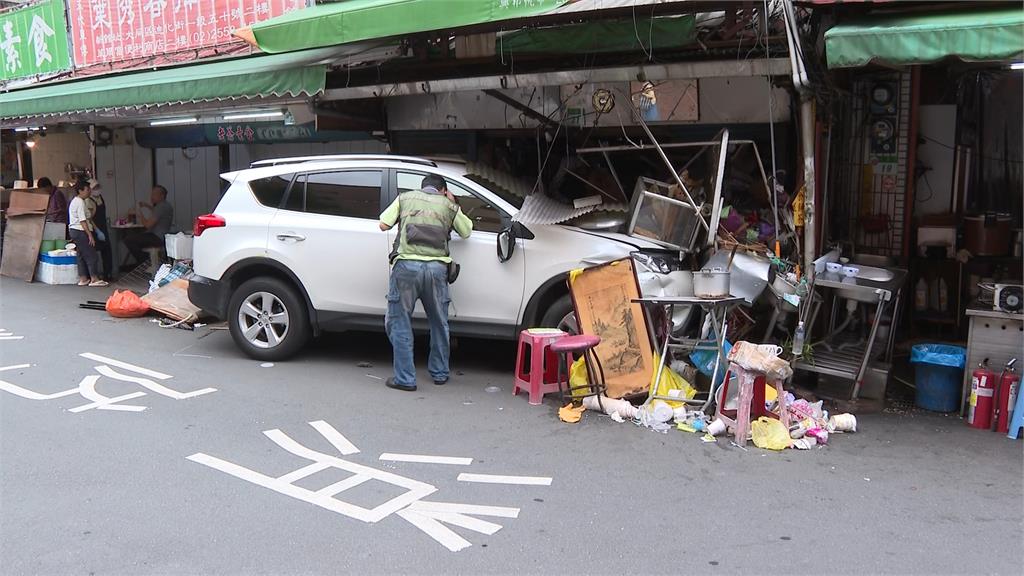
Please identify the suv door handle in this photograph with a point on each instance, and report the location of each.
(291, 236)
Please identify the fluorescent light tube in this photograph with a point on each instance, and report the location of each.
(173, 121)
(253, 115)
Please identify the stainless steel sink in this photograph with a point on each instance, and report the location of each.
(874, 274)
(863, 286)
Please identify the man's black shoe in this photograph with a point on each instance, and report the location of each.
(390, 383)
(440, 382)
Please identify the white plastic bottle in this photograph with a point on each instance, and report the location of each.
(798, 340)
(921, 295)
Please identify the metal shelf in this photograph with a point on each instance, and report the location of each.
(839, 363)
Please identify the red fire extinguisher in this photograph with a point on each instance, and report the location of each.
(983, 387)
(1006, 397)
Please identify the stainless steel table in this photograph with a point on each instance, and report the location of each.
(717, 309)
(851, 365)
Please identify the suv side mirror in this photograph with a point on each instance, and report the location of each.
(506, 244)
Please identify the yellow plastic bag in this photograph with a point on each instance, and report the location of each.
(770, 434)
(670, 381)
(578, 377)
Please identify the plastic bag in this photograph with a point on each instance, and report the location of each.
(126, 304)
(769, 433)
(939, 355)
(578, 377)
(672, 384)
(704, 360)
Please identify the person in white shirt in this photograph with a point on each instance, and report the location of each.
(81, 231)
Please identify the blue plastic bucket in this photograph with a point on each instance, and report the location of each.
(939, 375)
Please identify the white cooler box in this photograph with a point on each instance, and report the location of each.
(57, 269)
(179, 246)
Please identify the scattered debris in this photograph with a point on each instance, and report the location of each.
(571, 414)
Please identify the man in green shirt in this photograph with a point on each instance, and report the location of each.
(425, 220)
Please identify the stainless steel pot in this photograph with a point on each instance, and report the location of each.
(711, 283)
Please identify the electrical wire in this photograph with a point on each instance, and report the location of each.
(771, 131)
(948, 147)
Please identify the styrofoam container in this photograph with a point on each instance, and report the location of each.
(57, 269)
(179, 246)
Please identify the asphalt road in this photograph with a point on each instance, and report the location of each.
(101, 491)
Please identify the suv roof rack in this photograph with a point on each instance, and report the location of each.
(333, 157)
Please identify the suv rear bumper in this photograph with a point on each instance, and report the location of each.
(211, 296)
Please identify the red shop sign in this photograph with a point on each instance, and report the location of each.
(108, 31)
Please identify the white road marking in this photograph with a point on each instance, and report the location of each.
(496, 479)
(342, 485)
(468, 522)
(301, 473)
(10, 337)
(432, 518)
(431, 527)
(321, 500)
(126, 366)
(25, 392)
(153, 386)
(334, 437)
(499, 511)
(87, 389)
(421, 458)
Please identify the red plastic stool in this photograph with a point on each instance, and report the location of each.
(540, 375)
(581, 345)
(750, 401)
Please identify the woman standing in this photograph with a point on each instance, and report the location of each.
(96, 208)
(85, 243)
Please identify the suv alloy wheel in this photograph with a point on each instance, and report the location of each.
(267, 319)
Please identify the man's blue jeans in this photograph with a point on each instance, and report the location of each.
(413, 280)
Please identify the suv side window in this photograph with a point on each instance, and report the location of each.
(270, 190)
(485, 217)
(353, 193)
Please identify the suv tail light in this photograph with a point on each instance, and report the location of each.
(207, 221)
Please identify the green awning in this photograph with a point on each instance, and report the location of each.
(975, 36)
(354, 20)
(294, 74)
(646, 34)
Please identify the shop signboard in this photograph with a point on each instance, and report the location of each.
(33, 41)
(114, 31)
(238, 133)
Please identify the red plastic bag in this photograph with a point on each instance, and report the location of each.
(126, 304)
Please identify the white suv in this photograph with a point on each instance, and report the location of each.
(293, 248)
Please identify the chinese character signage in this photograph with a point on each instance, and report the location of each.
(33, 41)
(109, 31)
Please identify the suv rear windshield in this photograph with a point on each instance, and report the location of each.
(269, 191)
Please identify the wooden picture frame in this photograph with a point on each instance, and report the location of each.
(603, 299)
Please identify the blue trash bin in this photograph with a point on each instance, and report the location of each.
(938, 376)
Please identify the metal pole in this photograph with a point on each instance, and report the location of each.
(807, 136)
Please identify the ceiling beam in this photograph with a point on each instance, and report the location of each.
(652, 72)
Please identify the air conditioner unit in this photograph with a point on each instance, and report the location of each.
(1009, 298)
